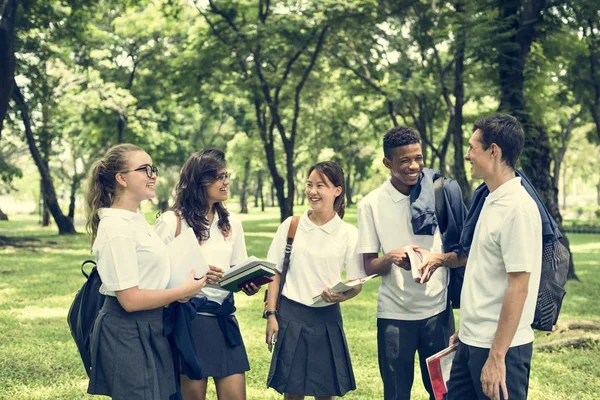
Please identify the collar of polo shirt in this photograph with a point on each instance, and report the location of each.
(307, 225)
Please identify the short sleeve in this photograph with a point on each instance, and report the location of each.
(239, 242)
(277, 248)
(166, 226)
(352, 259)
(117, 261)
(518, 236)
(368, 241)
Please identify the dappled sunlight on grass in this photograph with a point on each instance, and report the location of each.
(40, 312)
(586, 248)
(39, 360)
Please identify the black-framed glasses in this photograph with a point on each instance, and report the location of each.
(148, 169)
(224, 175)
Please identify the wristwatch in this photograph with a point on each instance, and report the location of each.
(267, 313)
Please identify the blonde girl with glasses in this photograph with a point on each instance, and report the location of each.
(203, 187)
(131, 358)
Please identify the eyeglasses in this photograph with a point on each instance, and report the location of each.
(149, 169)
(224, 175)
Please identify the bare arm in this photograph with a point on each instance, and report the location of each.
(135, 299)
(493, 374)
(432, 261)
(382, 265)
(272, 324)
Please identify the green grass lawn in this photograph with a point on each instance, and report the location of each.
(40, 275)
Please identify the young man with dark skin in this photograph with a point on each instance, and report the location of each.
(411, 317)
(502, 277)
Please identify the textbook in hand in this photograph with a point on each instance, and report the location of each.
(342, 287)
(252, 270)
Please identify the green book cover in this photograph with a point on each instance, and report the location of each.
(233, 283)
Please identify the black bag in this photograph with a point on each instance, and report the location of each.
(457, 275)
(555, 268)
(83, 311)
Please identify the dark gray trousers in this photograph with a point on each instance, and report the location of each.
(465, 376)
(397, 342)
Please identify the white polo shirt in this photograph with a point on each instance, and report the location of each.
(218, 250)
(384, 223)
(319, 254)
(507, 238)
(129, 253)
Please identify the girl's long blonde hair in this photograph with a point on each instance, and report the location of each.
(102, 185)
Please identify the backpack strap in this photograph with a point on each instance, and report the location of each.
(288, 252)
(440, 204)
(178, 228)
(83, 269)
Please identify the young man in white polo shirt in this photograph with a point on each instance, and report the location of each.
(411, 316)
(502, 275)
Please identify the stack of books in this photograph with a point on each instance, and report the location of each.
(252, 270)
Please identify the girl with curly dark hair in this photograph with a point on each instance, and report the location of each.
(203, 187)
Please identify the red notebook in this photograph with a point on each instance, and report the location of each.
(258, 281)
(439, 366)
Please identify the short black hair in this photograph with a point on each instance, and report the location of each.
(399, 136)
(504, 130)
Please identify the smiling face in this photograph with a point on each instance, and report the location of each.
(406, 164)
(480, 159)
(136, 183)
(219, 189)
(321, 193)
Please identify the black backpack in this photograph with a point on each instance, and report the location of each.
(83, 311)
(555, 268)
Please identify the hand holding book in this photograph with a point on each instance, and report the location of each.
(335, 294)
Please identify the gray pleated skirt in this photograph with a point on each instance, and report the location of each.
(131, 357)
(311, 356)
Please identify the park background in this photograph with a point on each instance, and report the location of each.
(279, 85)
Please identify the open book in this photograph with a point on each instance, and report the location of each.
(439, 366)
(252, 270)
(342, 287)
(415, 259)
(185, 254)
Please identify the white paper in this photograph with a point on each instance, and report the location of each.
(246, 264)
(185, 255)
(446, 365)
(415, 264)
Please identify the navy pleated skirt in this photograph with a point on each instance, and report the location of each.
(311, 356)
(131, 357)
(217, 358)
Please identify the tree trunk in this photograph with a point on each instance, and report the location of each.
(512, 56)
(3, 216)
(259, 184)
(273, 195)
(244, 190)
(7, 54)
(257, 189)
(65, 225)
(459, 95)
(348, 186)
(45, 213)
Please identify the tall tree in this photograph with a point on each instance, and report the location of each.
(270, 58)
(8, 18)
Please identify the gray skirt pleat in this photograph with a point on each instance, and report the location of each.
(131, 357)
(311, 356)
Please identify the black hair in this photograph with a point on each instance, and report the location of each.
(399, 136)
(504, 130)
(335, 174)
(191, 199)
